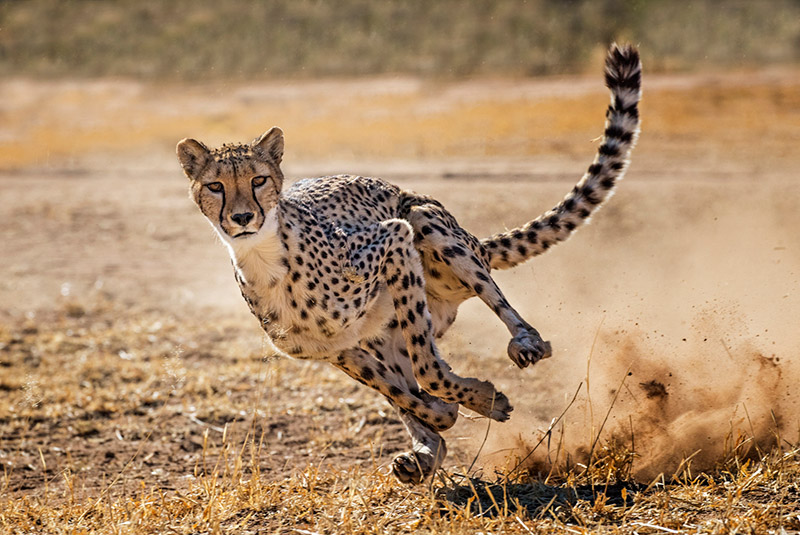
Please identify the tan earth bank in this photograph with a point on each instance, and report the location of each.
(128, 358)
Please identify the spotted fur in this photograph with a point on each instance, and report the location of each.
(623, 78)
(359, 273)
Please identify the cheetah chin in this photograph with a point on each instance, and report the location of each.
(357, 272)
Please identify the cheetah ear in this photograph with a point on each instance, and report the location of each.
(193, 156)
(271, 144)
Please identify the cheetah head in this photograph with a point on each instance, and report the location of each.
(235, 186)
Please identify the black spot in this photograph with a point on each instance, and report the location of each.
(438, 228)
(633, 111)
(614, 131)
(588, 194)
(367, 374)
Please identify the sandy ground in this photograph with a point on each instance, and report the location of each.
(126, 351)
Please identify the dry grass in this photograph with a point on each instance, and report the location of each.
(175, 425)
(759, 497)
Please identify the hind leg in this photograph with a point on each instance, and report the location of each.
(457, 269)
(387, 250)
(428, 451)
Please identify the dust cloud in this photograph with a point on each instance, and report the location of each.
(677, 313)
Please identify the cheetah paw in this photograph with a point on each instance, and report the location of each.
(487, 401)
(413, 467)
(500, 408)
(406, 469)
(528, 348)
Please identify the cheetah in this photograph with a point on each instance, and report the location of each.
(359, 273)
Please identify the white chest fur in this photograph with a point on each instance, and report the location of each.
(258, 258)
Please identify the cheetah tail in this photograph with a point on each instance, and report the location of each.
(623, 73)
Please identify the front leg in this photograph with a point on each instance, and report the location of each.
(369, 371)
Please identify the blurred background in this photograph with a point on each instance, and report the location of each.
(83, 76)
(246, 40)
(117, 304)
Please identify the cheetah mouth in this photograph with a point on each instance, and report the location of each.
(243, 234)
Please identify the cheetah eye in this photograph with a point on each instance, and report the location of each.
(216, 187)
(259, 181)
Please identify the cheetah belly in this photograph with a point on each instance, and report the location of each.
(304, 339)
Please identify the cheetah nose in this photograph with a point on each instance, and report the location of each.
(243, 218)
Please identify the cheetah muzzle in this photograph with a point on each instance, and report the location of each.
(359, 273)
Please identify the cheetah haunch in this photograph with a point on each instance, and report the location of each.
(359, 273)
